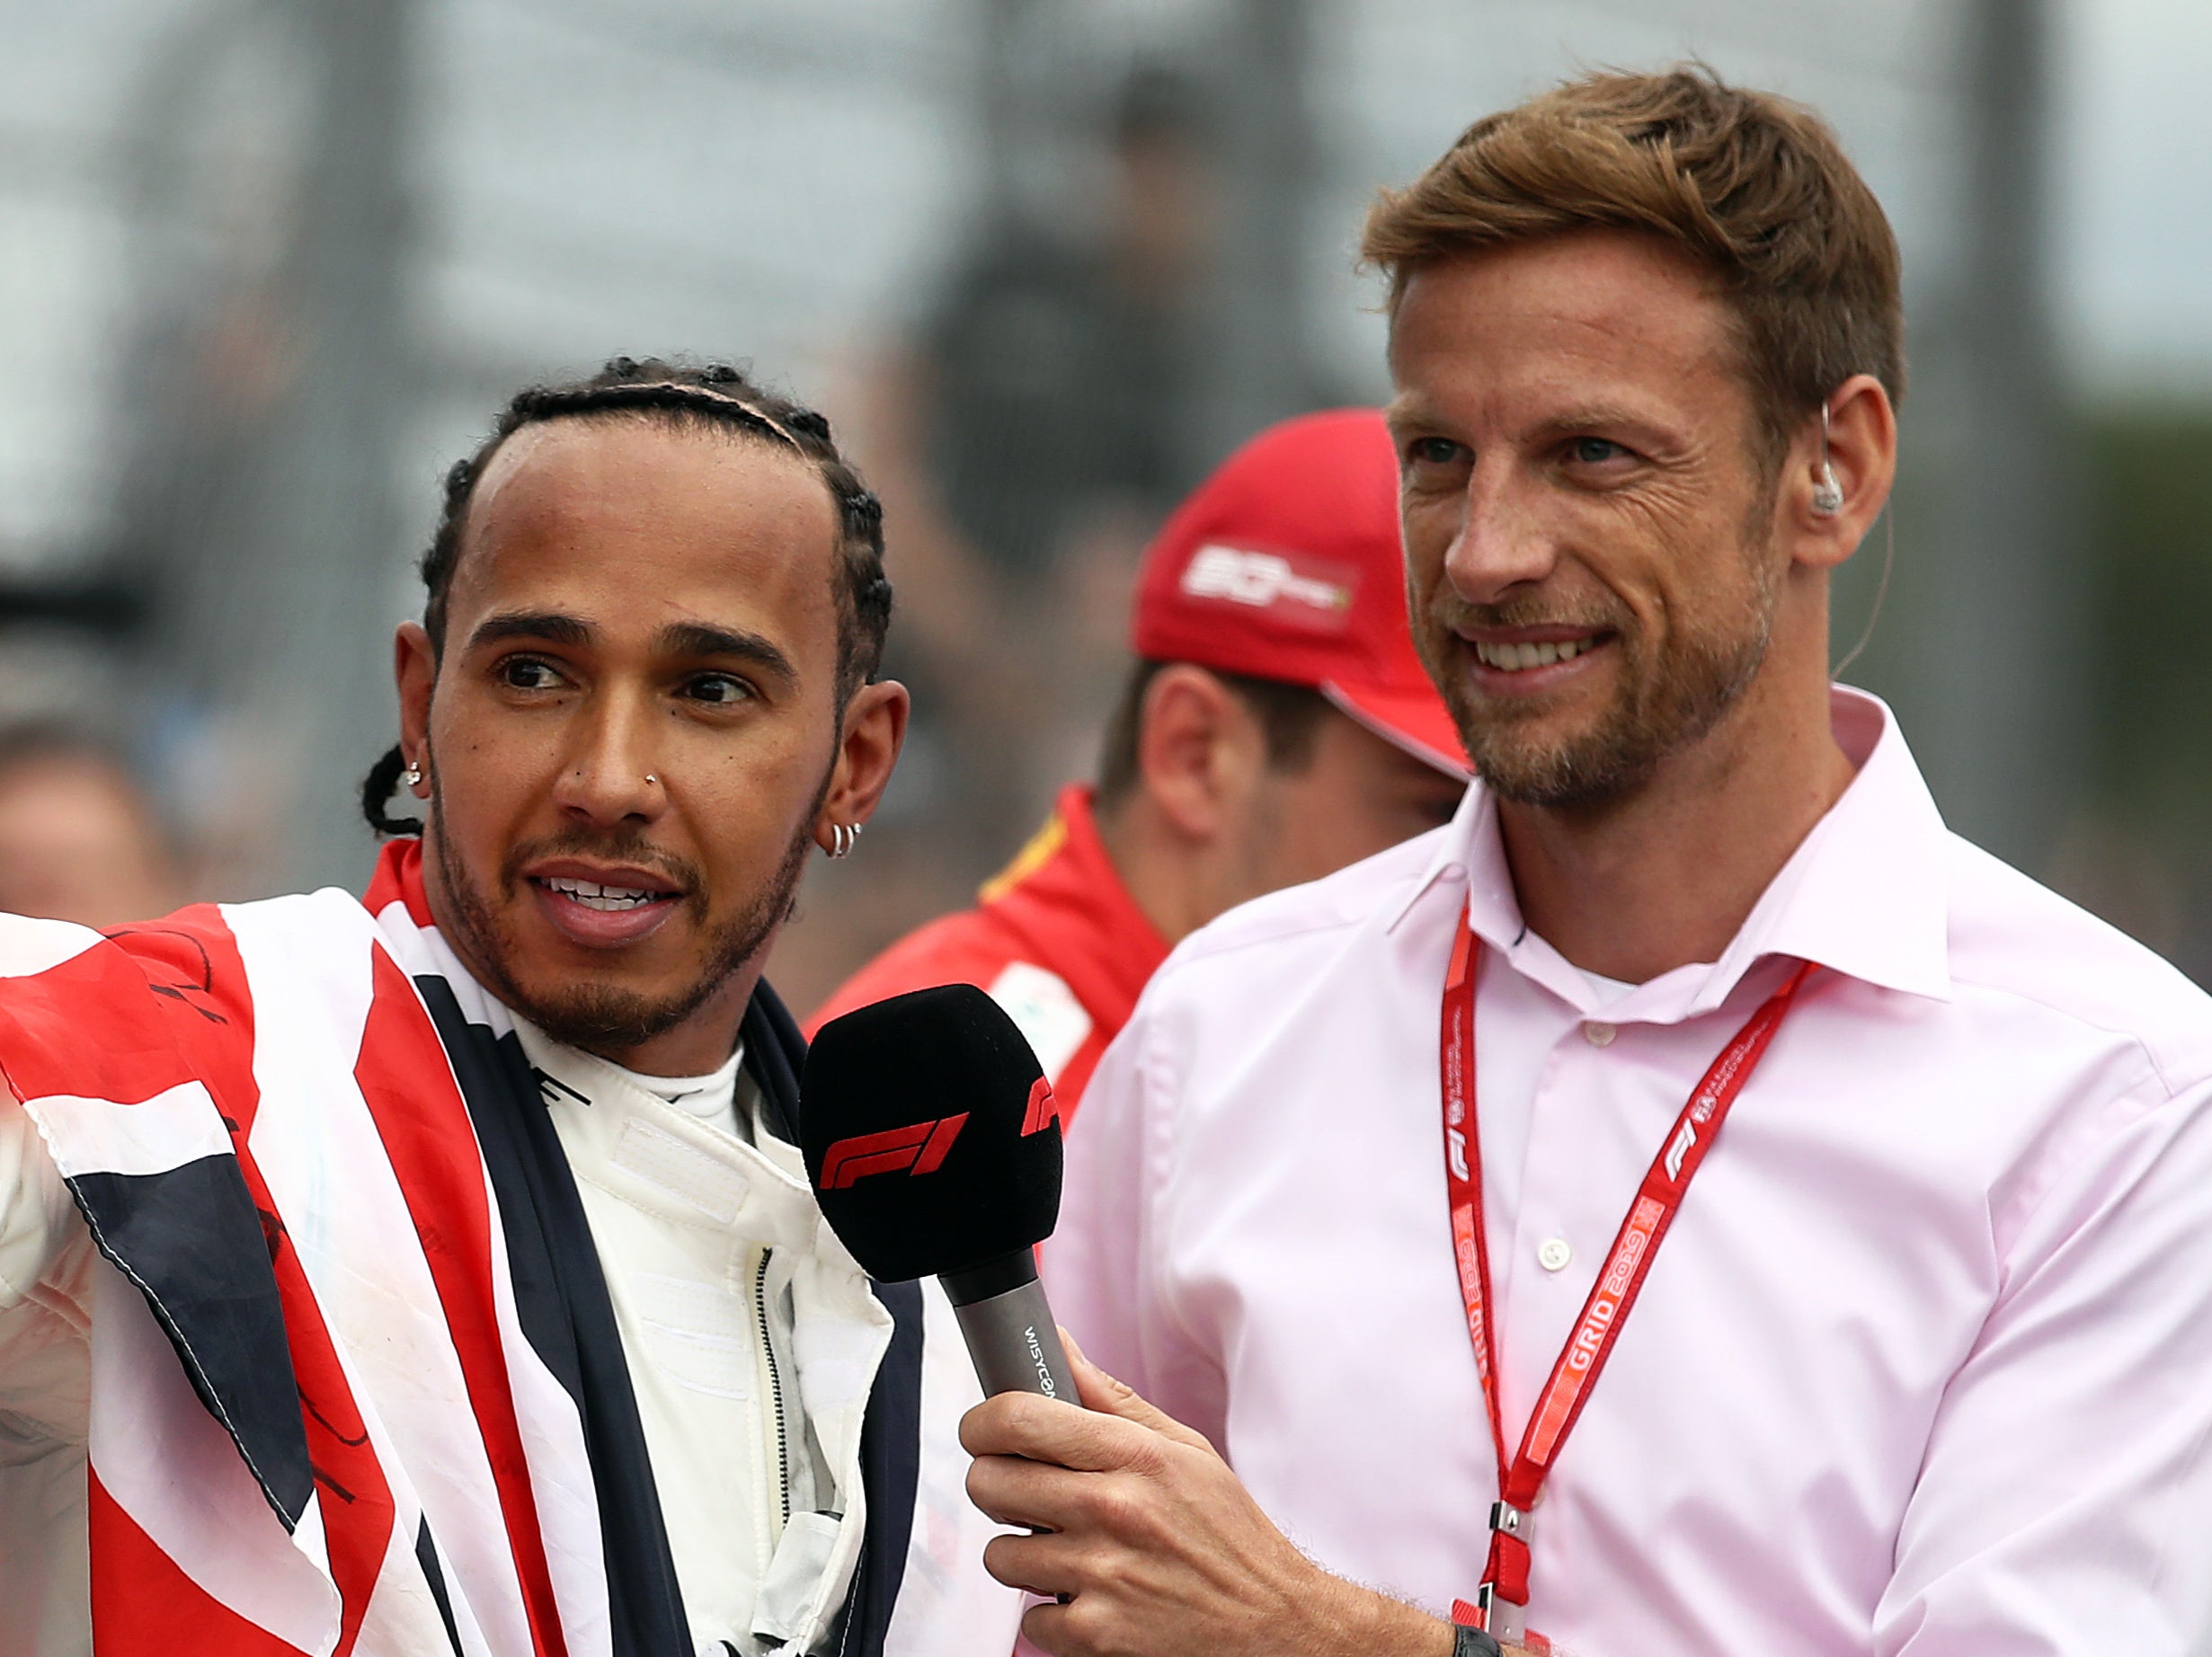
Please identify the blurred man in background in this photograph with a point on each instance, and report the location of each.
(1276, 727)
(80, 839)
(1047, 413)
(1047, 377)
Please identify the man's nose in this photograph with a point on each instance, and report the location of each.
(1503, 540)
(611, 773)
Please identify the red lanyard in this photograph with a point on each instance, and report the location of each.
(1521, 1479)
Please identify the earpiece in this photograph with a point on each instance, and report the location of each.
(1828, 494)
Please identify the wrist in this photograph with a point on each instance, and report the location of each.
(1382, 1626)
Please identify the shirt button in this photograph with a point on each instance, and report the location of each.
(1554, 1254)
(1598, 1034)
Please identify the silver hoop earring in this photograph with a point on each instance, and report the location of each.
(843, 838)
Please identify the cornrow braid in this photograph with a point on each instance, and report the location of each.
(709, 396)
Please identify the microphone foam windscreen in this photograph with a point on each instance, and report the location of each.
(930, 1134)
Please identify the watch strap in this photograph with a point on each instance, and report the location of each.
(1469, 1641)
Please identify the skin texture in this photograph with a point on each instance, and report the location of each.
(1212, 824)
(638, 686)
(1578, 462)
(77, 843)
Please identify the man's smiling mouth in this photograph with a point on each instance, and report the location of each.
(593, 895)
(1509, 658)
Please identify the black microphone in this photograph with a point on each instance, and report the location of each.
(933, 1142)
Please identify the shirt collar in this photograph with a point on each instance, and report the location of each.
(1864, 894)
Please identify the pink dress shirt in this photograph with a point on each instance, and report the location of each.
(1924, 1366)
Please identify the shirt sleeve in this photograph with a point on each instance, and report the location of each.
(2065, 1501)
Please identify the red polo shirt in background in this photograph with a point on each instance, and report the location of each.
(1055, 939)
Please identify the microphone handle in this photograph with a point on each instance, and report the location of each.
(1011, 1336)
(1008, 1324)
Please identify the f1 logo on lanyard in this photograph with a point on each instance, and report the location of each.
(1500, 1606)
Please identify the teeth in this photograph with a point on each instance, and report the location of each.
(594, 896)
(1520, 658)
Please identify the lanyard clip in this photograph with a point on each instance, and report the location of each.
(1502, 1619)
(1507, 1519)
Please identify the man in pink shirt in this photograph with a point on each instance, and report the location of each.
(1694, 1203)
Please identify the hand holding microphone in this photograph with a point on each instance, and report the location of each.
(932, 1140)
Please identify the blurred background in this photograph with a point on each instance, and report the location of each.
(266, 266)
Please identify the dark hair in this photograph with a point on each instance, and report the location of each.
(1754, 187)
(1290, 716)
(712, 397)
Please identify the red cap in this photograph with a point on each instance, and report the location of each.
(1285, 564)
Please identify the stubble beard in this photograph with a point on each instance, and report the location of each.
(1663, 704)
(607, 1019)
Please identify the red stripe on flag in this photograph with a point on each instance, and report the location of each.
(191, 960)
(351, 1485)
(407, 1078)
(398, 879)
(95, 1027)
(197, 947)
(141, 1602)
(158, 1004)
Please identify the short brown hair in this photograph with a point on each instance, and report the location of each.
(1754, 186)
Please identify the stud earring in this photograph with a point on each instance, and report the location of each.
(414, 773)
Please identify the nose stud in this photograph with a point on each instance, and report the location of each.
(651, 778)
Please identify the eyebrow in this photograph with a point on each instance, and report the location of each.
(677, 639)
(1406, 411)
(551, 625)
(699, 639)
(1593, 416)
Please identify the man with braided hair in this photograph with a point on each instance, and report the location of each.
(437, 1274)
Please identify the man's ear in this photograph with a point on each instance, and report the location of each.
(1861, 451)
(1199, 750)
(872, 732)
(415, 672)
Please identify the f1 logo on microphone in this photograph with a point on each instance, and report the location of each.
(916, 1149)
(1044, 1109)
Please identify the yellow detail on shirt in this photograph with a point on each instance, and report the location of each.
(1042, 847)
